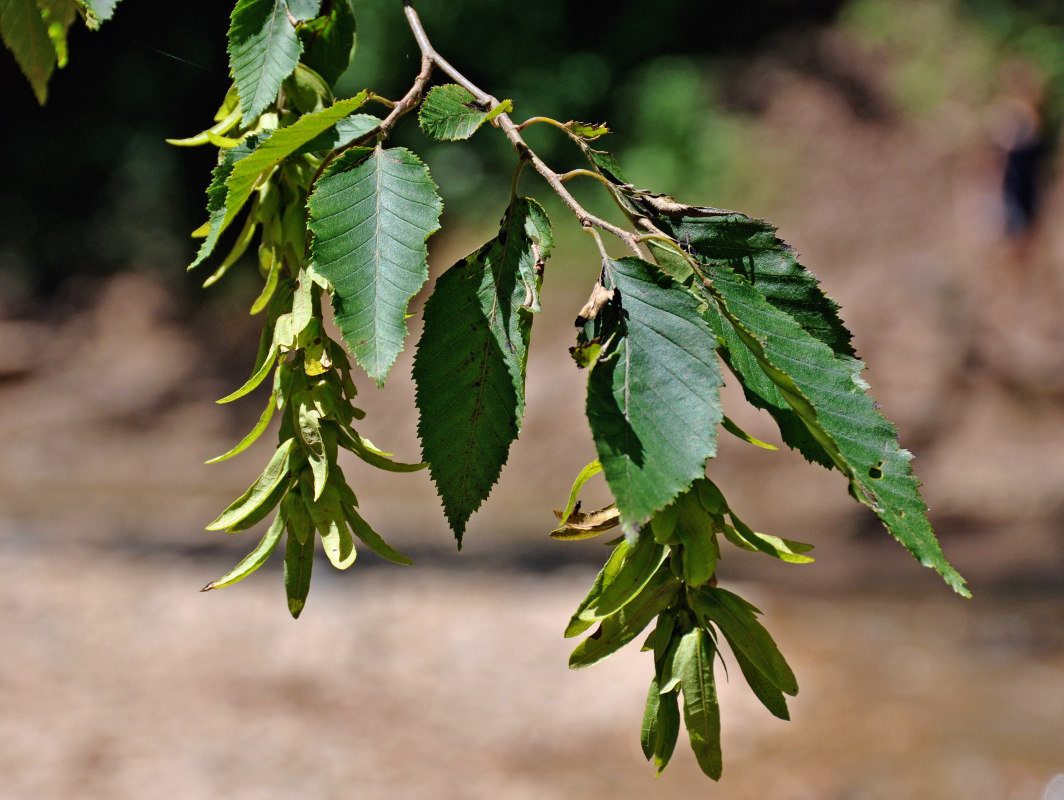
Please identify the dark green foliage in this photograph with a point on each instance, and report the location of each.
(652, 399)
(470, 363)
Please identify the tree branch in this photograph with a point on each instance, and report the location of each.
(503, 121)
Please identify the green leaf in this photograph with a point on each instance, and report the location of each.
(25, 34)
(370, 221)
(653, 396)
(373, 540)
(103, 10)
(278, 145)
(256, 432)
(606, 164)
(737, 620)
(218, 209)
(470, 362)
(262, 496)
(263, 50)
(577, 624)
(762, 392)
(619, 629)
(255, 559)
(750, 248)
(298, 566)
(304, 10)
(770, 697)
(329, 41)
(828, 395)
(450, 112)
(701, 712)
(625, 585)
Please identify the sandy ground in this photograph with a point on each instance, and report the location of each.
(119, 680)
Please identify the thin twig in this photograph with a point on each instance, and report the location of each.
(404, 106)
(587, 220)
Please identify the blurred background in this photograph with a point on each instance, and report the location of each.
(909, 150)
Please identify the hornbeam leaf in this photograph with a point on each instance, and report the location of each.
(304, 10)
(280, 144)
(828, 394)
(450, 112)
(103, 10)
(25, 34)
(329, 41)
(751, 249)
(701, 712)
(470, 362)
(586, 130)
(762, 392)
(653, 394)
(263, 50)
(370, 221)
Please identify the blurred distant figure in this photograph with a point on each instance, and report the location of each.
(1018, 133)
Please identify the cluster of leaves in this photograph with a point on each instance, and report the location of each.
(337, 212)
(35, 31)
